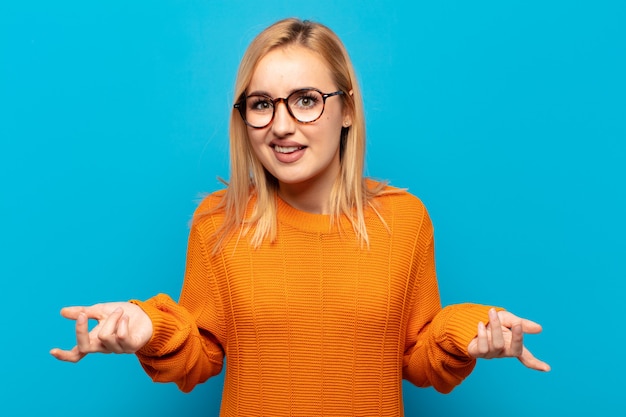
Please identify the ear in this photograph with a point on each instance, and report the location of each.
(347, 117)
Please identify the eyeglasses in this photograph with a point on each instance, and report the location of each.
(305, 106)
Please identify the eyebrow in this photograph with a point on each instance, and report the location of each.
(265, 93)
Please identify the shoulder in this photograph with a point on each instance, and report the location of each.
(399, 200)
(402, 199)
(400, 208)
(210, 202)
(209, 214)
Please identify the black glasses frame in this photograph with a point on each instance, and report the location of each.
(241, 106)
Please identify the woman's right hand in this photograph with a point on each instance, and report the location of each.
(122, 328)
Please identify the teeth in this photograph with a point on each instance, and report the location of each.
(286, 149)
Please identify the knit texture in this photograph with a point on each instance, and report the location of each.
(313, 324)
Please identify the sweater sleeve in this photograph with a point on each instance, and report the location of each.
(186, 344)
(437, 339)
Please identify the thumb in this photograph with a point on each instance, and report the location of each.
(509, 319)
(72, 312)
(531, 327)
(92, 312)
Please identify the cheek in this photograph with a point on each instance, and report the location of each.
(333, 128)
(256, 138)
(333, 120)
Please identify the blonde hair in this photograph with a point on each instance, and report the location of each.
(350, 194)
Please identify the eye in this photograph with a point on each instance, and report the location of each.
(259, 103)
(306, 100)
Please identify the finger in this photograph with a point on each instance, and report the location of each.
(508, 319)
(83, 343)
(517, 341)
(531, 362)
(122, 330)
(482, 340)
(108, 331)
(92, 312)
(72, 312)
(123, 335)
(529, 326)
(109, 326)
(497, 337)
(67, 355)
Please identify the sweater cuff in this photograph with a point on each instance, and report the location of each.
(164, 314)
(460, 327)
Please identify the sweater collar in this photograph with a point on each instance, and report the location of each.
(305, 221)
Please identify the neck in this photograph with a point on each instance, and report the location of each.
(311, 198)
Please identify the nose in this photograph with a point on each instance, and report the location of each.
(283, 124)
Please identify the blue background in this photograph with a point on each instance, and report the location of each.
(506, 117)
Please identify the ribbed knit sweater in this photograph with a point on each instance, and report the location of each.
(313, 324)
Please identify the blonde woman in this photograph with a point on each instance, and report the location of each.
(317, 284)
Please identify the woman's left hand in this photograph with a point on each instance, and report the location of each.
(503, 337)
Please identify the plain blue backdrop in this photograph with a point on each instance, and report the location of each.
(507, 118)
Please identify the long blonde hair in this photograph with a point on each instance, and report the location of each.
(350, 194)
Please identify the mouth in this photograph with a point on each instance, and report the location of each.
(287, 149)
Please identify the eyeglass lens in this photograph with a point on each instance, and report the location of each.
(304, 105)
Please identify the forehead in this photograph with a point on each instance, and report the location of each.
(286, 69)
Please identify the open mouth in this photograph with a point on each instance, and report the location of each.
(287, 149)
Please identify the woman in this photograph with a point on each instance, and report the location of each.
(317, 284)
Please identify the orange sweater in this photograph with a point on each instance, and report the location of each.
(313, 324)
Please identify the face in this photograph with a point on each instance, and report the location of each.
(298, 155)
